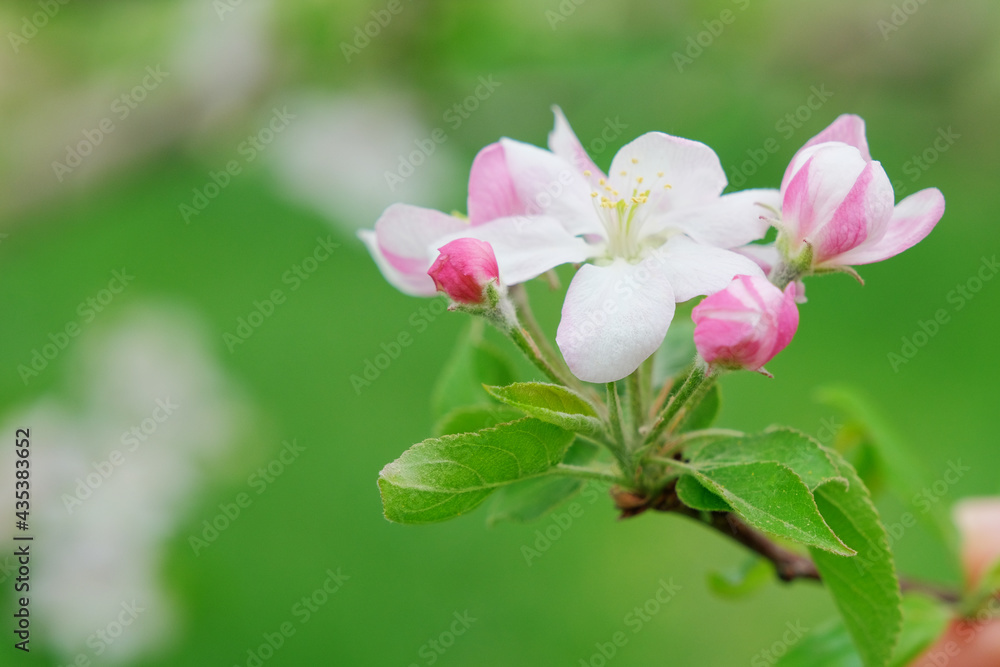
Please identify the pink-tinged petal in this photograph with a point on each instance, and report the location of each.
(788, 316)
(912, 220)
(848, 129)
(697, 270)
(527, 247)
(563, 142)
(491, 190)
(614, 318)
(818, 188)
(730, 221)
(403, 245)
(463, 269)
(676, 172)
(746, 324)
(407, 283)
(548, 185)
(864, 213)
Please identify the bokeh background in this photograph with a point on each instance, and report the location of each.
(119, 121)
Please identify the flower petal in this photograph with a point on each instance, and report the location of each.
(549, 185)
(677, 172)
(732, 220)
(525, 246)
(912, 220)
(864, 213)
(491, 190)
(696, 270)
(563, 142)
(848, 129)
(403, 245)
(818, 187)
(614, 318)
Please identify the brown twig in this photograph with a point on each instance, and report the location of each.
(788, 564)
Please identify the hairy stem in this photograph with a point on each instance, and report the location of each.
(617, 434)
(686, 399)
(636, 407)
(555, 365)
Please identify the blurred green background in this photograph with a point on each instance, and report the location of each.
(915, 71)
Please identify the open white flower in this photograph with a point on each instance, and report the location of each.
(659, 232)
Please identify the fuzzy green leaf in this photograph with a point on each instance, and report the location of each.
(693, 494)
(550, 403)
(475, 418)
(830, 645)
(771, 497)
(532, 499)
(790, 448)
(865, 588)
(441, 478)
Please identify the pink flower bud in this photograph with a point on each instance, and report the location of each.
(746, 324)
(839, 201)
(463, 269)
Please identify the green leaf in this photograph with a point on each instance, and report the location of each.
(532, 499)
(474, 361)
(740, 582)
(704, 414)
(865, 588)
(693, 494)
(830, 645)
(551, 403)
(475, 418)
(772, 498)
(441, 478)
(788, 447)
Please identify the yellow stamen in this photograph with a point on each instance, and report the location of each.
(635, 160)
(586, 172)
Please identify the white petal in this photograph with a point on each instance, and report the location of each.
(690, 169)
(614, 318)
(730, 221)
(526, 247)
(549, 185)
(698, 270)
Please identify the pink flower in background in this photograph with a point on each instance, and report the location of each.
(463, 270)
(406, 239)
(746, 324)
(840, 201)
(659, 232)
(972, 643)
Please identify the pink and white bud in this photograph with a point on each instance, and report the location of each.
(746, 324)
(840, 202)
(463, 270)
